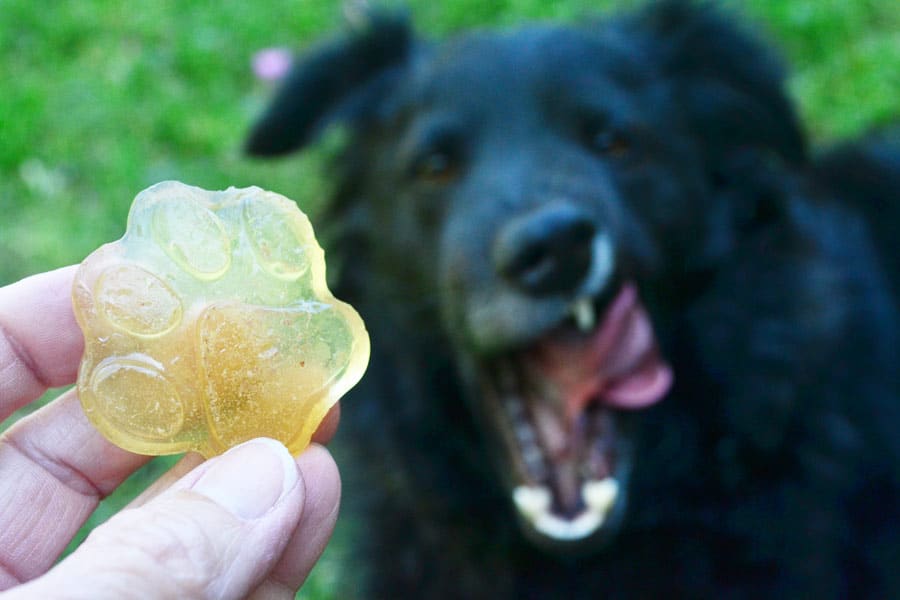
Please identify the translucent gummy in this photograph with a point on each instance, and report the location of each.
(209, 323)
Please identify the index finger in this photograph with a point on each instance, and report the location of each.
(40, 342)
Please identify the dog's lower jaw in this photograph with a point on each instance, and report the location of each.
(566, 480)
(534, 504)
(586, 533)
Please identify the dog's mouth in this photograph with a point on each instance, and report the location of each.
(559, 405)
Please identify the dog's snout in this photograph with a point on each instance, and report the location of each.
(547, 251)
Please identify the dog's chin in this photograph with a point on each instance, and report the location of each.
(561, 405)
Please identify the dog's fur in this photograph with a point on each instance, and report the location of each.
(771, 467)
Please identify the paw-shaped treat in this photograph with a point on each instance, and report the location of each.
(210, 323)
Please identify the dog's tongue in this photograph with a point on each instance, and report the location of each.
(618, 364)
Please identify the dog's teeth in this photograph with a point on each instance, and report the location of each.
(559, 529)
(600, 495)
(532, 501)
(602, 265)
(533, 458)
(583, 311)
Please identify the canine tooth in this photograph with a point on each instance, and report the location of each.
(602, 265)
(583, 311)
(600, 495)
(532, 501)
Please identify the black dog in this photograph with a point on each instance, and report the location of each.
(630, 340)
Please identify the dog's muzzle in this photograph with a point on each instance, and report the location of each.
(557, 395)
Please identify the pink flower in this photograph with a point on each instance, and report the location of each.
(272, 64)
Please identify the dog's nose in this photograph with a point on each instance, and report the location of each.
(547, 251)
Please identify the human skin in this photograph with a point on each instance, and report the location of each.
(249, 523)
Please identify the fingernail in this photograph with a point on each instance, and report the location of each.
(250, 479)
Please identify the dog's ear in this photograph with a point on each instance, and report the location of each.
(731, 86)
(339, 81)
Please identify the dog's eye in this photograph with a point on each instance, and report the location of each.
(435, 167)
(609, 143)
(600, 134)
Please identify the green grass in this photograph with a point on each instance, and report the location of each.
(103, 98)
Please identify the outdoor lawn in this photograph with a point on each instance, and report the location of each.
(102, 99)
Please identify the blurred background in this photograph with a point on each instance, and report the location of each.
(101, 99)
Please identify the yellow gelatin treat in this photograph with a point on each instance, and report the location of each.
(209, 323)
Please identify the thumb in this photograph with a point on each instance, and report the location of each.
(216, 533)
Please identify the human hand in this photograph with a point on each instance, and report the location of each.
(251, 522)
